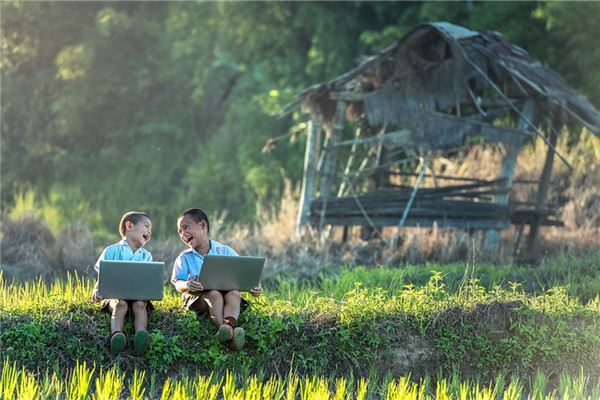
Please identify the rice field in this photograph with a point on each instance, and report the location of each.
(332, 321)
(88, 382)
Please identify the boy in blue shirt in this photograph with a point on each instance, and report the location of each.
(224, 307)
(136, 231)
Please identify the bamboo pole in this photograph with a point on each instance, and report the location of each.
(491, 242)
(373, 180)
(330, 158)
(349, 161)
(424, 165)
(310, 168)
(544, 186)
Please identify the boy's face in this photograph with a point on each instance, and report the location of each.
(192, 233)
(139, 234)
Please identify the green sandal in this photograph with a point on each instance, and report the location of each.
(225, 333)
(141, 340)
(239, 339)
(117, 342)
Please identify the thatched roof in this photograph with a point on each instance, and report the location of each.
(445, 83)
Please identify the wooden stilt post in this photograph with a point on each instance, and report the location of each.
(330, 157)
(374, 181)
(518, 241)
(310, 168)
(491, 242)
(544, 186)
(345, 233)
(342, 188)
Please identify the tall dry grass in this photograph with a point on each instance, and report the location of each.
(28, 247)
(575, 196)
(27, 244)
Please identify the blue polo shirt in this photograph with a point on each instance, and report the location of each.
(123, 252)
(189, 262)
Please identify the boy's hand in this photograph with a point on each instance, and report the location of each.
(256, 291)
(194, 286)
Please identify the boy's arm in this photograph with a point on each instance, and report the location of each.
(103, 256)
(188, 286)
(95, 296)
(182, 285)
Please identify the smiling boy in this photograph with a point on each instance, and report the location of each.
(224, 307)
(136, 231)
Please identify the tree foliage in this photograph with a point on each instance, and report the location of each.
(162, 106)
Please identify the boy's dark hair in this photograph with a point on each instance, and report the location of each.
(132, 216)
(197, 215)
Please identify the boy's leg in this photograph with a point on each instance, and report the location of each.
(140, 315)
(231, 310)
(211, 301)
(141, 338)
(118, 309)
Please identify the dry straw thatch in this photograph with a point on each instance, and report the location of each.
(440, 89)
(421, 81)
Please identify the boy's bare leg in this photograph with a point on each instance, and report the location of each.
(140, 322)
(237, 337)
(233, 300)
(119, 310)
(140, 315)
(211, 301)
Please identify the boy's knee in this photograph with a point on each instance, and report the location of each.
(214, 295)
(139, 305)
(233, 295)
(121, 306)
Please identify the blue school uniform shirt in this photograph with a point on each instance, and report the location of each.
(123, 252)
(189, 262)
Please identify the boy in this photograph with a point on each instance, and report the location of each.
(136, 230)
(224, 307)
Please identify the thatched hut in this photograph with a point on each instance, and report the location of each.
(439, 88)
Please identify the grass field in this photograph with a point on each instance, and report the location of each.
(85, 382)
(361, 333)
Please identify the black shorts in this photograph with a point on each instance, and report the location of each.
(105, 305)
(189, 299)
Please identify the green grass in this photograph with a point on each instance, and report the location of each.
(86, 383)
(55, 326)
(579, 275)
(356, 325)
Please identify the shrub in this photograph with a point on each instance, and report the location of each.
(28, 243)
(413, 329)
(30, 249)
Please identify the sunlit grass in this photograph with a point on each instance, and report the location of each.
(35, 294)
(343, 331)
(112, 384)
(78, 384)
(136, 385)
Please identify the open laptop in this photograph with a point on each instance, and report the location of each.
(231, 272)
(131, 280)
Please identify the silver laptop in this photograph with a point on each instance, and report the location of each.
(231, 272)
(131, 280)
